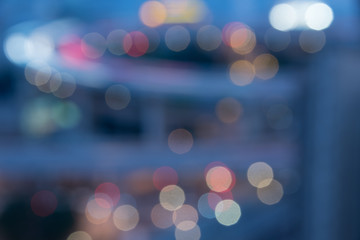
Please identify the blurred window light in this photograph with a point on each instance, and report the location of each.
(301, 15)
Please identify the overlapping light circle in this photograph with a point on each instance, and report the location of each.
(153, 13)
(126, 217)
(172, 197)
(242, 72)
(260, 174)
(95, 213)
(227, 212)
(161, 217)
(185, 218)
(271, 194)
(228, 110)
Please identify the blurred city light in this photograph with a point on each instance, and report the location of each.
(185, 119)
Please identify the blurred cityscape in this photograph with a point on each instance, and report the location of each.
(179, 119)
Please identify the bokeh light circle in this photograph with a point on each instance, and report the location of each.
(177, 38)
(283, 17)
(229, 29)
(135, 44)
(242, 72)
(260, 174)
(271, 194)
(193, 234)
(126, 217)
(66, 114)
(95, 213)
(153, 13)
(161, 217)
(312, 41)
(44, 203)
(107, 195)
(172, 197)
(117, 97)
(208, 37)
(93, 45)
(37, 73)
(115, 41)
(207, 203)
(228, 110)
(219, 179)
(227, 212)
(185, 218)
(67, 85)
(318, 16)
(266, 66)
(164, 176)
(180, 141)
(79, 235)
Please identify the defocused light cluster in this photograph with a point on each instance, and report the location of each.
(55, 66)
(261, 176)
(109, 208)
(300, 15)
(43, 116)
